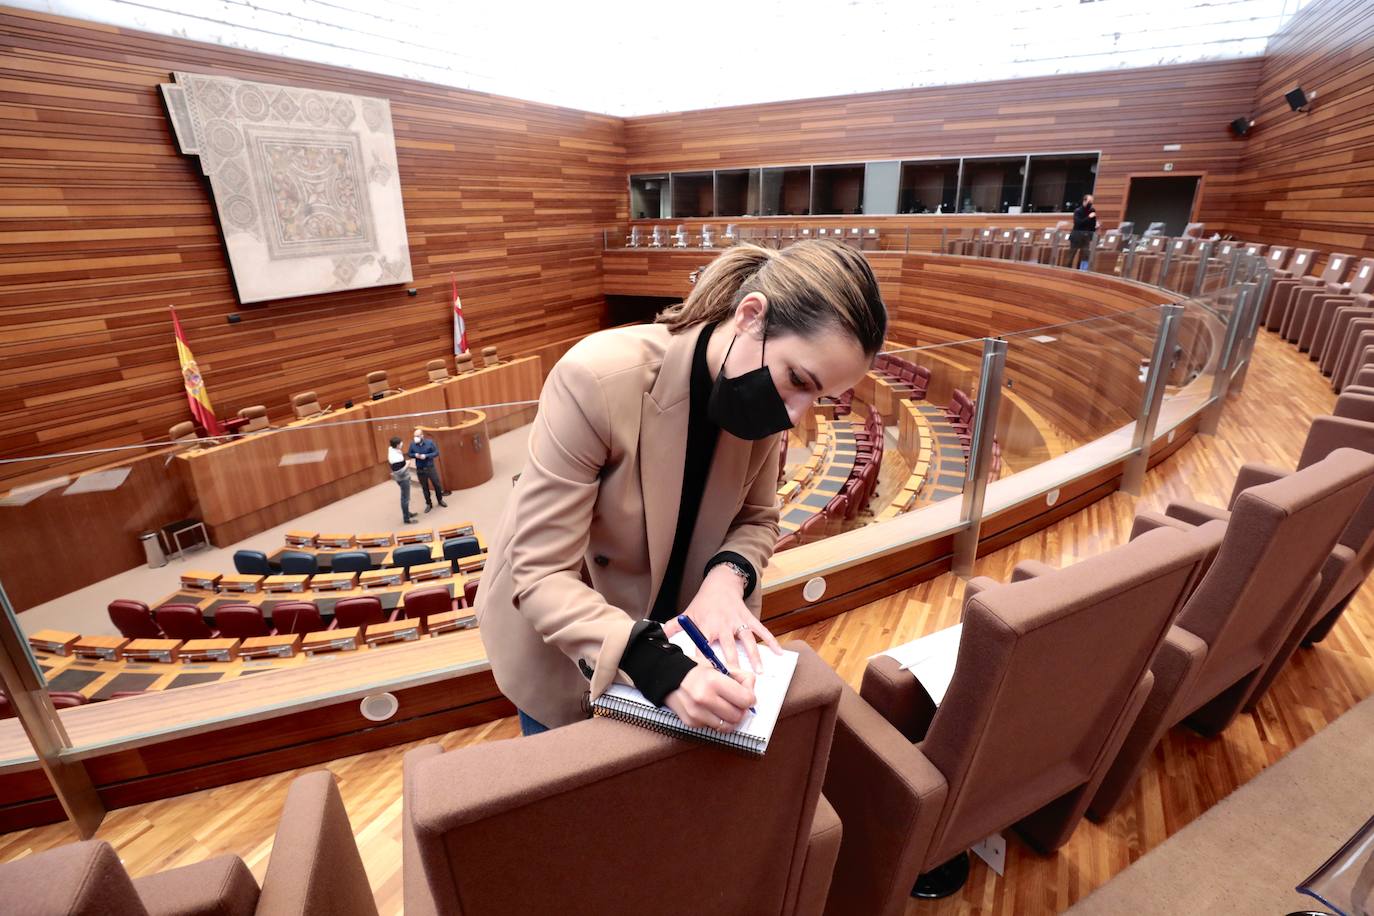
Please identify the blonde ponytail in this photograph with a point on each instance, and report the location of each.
(809, 285)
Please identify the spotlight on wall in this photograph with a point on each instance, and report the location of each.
(1297, 99)
(1241, 126)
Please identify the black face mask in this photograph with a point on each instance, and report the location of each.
(748, 406)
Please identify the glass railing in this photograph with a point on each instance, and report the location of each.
(140, 564)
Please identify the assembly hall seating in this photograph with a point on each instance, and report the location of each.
(315, 868)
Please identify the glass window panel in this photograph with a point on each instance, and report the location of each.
(1057, 183)
(928, 187)
(991, 185)
(786, 191)
(693, 195)
(737, 192)
(838, 189)
(648, 196)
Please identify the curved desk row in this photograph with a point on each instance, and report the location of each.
(840, 455)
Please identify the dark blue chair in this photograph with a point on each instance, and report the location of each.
(298, 563)
(457, 548)
(411, 555)
(251, 563)
(351, 561)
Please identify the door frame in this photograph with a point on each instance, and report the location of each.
(1199, 174)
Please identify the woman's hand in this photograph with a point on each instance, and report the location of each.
(708, 699)
(721, 615)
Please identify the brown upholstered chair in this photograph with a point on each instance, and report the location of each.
(183, 621)
(1147, 262)
(983, 240)
(605, 817)
(306, 405)
(1285, 279)
(437, 370)
(1194, 230)
(1293, 312)
(290, 617)
(1051, 671)
(959, 244)
(1106, 252)
(256, 417)
(419, 603)
(1278, 537)
(183, 435)
(315, 869)
(463, 363)
(241, 621)
(1322, 306)
(1356, 344)
(362, 611)
(379, 384)
(133, 620)
(489, 357)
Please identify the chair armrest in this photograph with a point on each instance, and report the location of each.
(222, 885)
(889, 797)
(1195, 513)
(1029, 569)
(417, 897)
(315, 865)
(1149, 520)
(978, 584)
(1355, 403)
(897, 695)
(1253, 475)
(818, 866)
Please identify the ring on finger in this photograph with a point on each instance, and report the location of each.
(722, 723)
(742, 628)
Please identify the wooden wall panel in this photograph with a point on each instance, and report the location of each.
(1307, 178)
(1129, 115)
(106, 224)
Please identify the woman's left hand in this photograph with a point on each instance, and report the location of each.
(720, 613)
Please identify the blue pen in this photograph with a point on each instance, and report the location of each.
(696, 636)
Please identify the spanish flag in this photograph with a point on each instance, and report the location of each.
(195, 385)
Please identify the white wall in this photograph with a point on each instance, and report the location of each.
(629, 57)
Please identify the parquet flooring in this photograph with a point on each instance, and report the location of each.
(1265, 423)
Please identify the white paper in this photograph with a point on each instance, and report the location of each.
(98, 481)
(23, 495)
(314, 457)
(931, 659)
(992, 850)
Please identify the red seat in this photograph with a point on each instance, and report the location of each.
(786, 542)
(134, 620)
(65, 699)
(813, 529)
(421, 602)
(241, 621)
(362, 611)
(183, 621)
(291, 617)
(470, 592)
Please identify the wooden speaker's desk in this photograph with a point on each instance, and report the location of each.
(464, 449)
(394, 415)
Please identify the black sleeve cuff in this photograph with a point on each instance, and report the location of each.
(656, 666)
(729, 556)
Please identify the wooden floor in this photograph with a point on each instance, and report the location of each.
(1266, 423)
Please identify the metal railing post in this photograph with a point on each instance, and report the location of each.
(1230, 352)
(1164, 268)
(24, 685)
(980, 455)
(1133, 476)
(1250, 331)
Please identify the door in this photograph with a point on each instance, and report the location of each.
(1165, 199)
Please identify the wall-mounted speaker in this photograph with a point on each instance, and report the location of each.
(1297, 99)
(1241, 126)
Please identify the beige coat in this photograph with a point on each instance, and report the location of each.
(584, 541)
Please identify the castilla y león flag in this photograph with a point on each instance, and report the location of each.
(460, 330)
(195, 385)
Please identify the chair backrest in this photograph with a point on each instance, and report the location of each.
(489, 356)
(1336, 268)
(1300, 264)
(182, 621)
(251, 563)
(1047, 669)
(813, 528)
(351, 561)
(1194, 230)
(361, 611)
(1362, 277)
(608, 778)
(306, 404)
(79, 879)
(133, 619)
(1155, 228)
(377, 382)
(298, 563)
(184, 432)
(256, 417)
(457, 548)
(1325, 436)
(240, 621)
(290, 617)
(437, 370)
(470, 592)
(463, 363)
(66, 699)
(411, 555)
(1127, 228)
(422, 602)
(1277, 539)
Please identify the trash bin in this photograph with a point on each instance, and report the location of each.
(152, 548)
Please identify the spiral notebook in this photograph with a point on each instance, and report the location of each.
(623, 702)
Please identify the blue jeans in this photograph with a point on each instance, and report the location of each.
(529, 726)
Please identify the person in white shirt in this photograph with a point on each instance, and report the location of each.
(396, 459)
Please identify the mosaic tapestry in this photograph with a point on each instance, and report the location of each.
(304, 182)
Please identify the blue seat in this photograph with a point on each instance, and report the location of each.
(351, 561)
(411, 555)
(251, 563)
(457, 548)
(298, 563)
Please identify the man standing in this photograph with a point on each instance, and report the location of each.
(424, 451)
(1084, 225)
(396, 460)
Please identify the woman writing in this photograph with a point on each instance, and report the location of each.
(649, 489)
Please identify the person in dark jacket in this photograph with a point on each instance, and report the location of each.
(424, 451)
(1084, 226)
